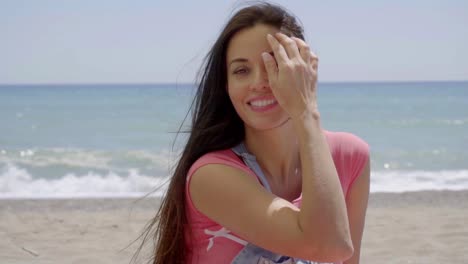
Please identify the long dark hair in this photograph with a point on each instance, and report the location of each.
(215, 126)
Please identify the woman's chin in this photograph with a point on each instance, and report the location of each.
(266, 126)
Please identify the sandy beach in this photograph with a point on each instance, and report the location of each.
(414, 227)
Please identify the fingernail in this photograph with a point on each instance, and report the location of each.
(265, 56)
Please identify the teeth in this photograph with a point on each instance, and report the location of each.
(261, 103)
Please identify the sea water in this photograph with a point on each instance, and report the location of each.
(121, 140)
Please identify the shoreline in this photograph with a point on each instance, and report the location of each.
(409, 227)
(377, 199)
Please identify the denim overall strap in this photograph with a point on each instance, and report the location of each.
(251, 161)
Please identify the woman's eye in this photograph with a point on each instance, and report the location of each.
(240, 71)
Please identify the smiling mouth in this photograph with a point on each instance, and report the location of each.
(262, 103)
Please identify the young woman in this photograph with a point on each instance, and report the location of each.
(260, 181)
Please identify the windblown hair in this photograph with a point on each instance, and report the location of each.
(215, 126)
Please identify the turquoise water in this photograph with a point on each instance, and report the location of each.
(116, 140)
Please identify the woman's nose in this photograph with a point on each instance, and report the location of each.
(260, 81)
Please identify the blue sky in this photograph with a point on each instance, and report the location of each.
(114, 41)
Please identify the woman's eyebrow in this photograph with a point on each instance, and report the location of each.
(246, 60)
(238, 60)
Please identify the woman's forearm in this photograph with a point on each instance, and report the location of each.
(323, 215)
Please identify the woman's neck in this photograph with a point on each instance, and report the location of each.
(277, 153)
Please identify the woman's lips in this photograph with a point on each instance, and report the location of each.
(262, 105)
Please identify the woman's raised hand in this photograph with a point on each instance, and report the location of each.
(293, 76)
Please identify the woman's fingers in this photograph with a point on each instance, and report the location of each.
(270, 66)
(280, 53)
(304, 49)
(291, 77)
(307, 55)
(286, 48)
(289, 44)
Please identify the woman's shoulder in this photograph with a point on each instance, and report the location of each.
(223, 157)
(350, 154)
(346, 143)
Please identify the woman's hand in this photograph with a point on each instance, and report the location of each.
(293, 77)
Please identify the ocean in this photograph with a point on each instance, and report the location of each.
(120, 140)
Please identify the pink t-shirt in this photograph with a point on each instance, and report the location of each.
(213, 244)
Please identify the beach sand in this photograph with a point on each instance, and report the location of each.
(414, 227)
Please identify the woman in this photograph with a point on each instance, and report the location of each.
(259, 180)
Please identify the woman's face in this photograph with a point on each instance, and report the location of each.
(247, 79)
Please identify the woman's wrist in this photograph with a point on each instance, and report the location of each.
(307, 124)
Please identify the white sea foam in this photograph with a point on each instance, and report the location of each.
(456, 122)
(402, 181)
(80, 158)
(18, 183)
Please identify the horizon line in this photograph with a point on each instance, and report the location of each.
(191, 83)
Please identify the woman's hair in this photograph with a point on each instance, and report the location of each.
(215, 126)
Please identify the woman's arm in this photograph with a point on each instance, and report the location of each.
(357, 205)
(318, 231)
(322, 195)
(293, 80)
